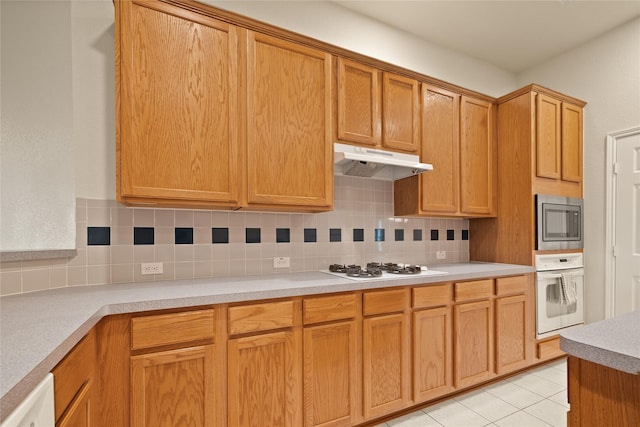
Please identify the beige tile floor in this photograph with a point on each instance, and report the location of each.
(537, 398)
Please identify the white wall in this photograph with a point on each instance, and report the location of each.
(606, 74)
(37, 196)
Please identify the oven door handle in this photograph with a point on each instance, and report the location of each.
(547, 276)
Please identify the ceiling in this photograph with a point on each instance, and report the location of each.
(512, 35)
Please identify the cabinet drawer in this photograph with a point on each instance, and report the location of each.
(73, 372)
(326, 309)
(173, 328)
(260, 317)
(432, 296)
(476, 289)
(384, 302)
(550, 348)
(511, 285)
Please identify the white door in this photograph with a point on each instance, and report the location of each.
(626, 269)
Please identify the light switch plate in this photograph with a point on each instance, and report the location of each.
(441, 255)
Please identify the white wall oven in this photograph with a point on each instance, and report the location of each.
(559, 292)
(559, 223)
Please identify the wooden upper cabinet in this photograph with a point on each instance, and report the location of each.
(440, 187)
(571, 143)
(289, 147)
(548, 124)
(558, 139)
(177, 114)
(477, 157)
(359, 117)
(400, 113)
(377, 109)
(458, 140)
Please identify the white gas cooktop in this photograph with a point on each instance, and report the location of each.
(424, 271)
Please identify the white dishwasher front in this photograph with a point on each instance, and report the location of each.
(37, 409)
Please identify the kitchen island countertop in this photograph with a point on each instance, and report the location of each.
(38, 329)
(614, 343)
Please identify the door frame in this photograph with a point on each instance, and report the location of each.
(610, 226)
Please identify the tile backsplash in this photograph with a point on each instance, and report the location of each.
(113, 240)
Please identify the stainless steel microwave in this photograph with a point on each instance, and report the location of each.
(559, 222)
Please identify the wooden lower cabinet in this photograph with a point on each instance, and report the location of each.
(75, 389)
(330, 360)
(173, 388)
(602, 396)
(386, 371)
(511, 333)
(264, 380)
(473, 338)
(432, 354)
(331, 375)
(80, 413)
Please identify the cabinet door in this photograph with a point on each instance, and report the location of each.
(400, 113)
(264, 384)
(511, 333)
(548, 125)
(385, 353)
(173, 388)
(359, 117)
(178, 116)
(440, 147)
(289, 147)
(473, 343)
(432, 354)
(330, 375)
(80, 412)
(477, 158)
(571, 143)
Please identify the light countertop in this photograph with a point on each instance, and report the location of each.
(38, 329)
(614, 343)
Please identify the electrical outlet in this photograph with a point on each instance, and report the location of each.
(281, 262)
(441, 255)
(151, 268)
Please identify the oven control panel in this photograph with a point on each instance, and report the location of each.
(548, 262)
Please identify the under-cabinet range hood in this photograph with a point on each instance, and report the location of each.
(372, 162)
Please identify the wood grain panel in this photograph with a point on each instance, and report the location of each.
(331, 381)
(548, 123)
(359, 115)
(81, 411)
(440, 147)
(386, 371)
(477, 157)
(264, 380)
(432, 296)
(289, 147)
(472, 290)
(509, 238)
(114, 343)
(571, 143)
(388, 301)
(74, 373)
(261, 317)
(173, 388)
(178, 116)
(473, 343)
(512, 323)
(173, 328)
(549, 348)
(511, 285)
(602, 396)
(400, 113)
(326, 309)
(432, 354)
